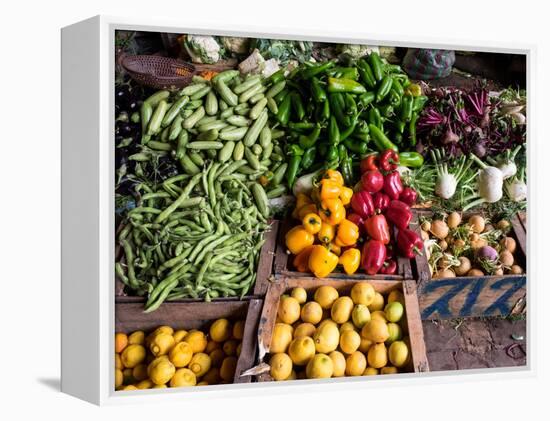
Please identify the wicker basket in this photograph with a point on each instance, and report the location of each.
(158, 72)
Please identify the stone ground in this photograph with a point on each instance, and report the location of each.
(475, 343)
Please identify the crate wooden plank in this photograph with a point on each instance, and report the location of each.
(265, 263)
(523, 219)
(416, 332)
(520, 234)
(249, 345)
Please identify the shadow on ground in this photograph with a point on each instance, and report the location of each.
(53, 383)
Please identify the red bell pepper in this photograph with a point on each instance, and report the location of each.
(399, 213)
(378, 229)
(372, 181)
(390, 252)
(361, 202)
(389, 267)
(369, 163)
(373, 256)
(392, 185)
(409, 243)
(357, 220)
(381, 201)
(389, 160)
(408, 195)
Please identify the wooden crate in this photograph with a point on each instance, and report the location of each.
(472, 296)
(283, 262)
(130, 317)
(265, 264)
(419, 361)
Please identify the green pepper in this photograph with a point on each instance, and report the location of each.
(376, 65)
(366, 98)
(308, 158)
(406, 108)
(280, 97)
(315, 70)
(351, 105)
(396, 85)
(397, 138)
(418, 102)
(309, 141)
(381, 141)
(337, 106)
(344, 72)
(322, 148)
(412, 129)
(333, 131)
(293, 168)
(345, 165)
(386, 110)
(284, 111)
(344, 134)
(345, 85)
(362, 137)
(332, 153)
(319, 94)
(393, 68)
(399, 126)
(411, 159)
(375, 118)
(383, 88)
(322, 112)
(301, 125)
(356, 145)
(394, 98)
(276, 77)
(297, 105)
(365, 72)
(295, 150)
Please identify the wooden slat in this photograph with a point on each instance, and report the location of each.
(520, 234)
(265, 263)
(422, 268)
(249, 346)
(416, 333)
(281, 257)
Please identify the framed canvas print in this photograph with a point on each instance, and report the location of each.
(244, 211)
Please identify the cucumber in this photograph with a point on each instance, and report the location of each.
(189, 166)
(227, 94)
(238, 120)
(235, 134)
(245, 96)
(257, 109)
(174, 110)
(265, 137)
(247, 84)
(275, 89)
(196, 157)
(225, 153)
(238, 152)
(207, 136)
(205, 145)
(192, 89)
(252, 159)
(217, 125)
(183, 138)
(154, 99)
(254, 130)
(276, 192)
(228, 112)
(156, 118)
(272, 106)
(260, 198)
(190, 121)
(211, 103)
(257, 149)
(175, 128)
(279, 174)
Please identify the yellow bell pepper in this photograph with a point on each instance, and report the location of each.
(326, 233)
(321, 261)
(335, 248)
(332, 211)
(312, 223)
(329, 189)
(298, 239)
(347, 234)
(334, 176)
(301, 260)
(350, 260)
(302, 199)
(306, 209)
(345, 195)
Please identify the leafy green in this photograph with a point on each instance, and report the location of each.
(283, 50)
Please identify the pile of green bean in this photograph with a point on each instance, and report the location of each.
(223, 119)
(194, 236)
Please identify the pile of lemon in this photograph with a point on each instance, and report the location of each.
(333, 336)
(168, 358)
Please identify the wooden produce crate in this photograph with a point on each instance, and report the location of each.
(419, 360)
(130, 317)
(283, 262)
(472, 296)
(265, 264)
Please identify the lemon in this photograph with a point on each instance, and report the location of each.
(289, 309)
(362, 293)
(350, 341)
(346, 326)
(121, 341)
(129, 387)
(220, 330)
(136, 338)
(311, 312)
(118, 362)
(181, 354)
(398, 353)
(378, 315)
(119, 378)
(145, 384)
(159, 386)
(299, 294)
(227, 369)
(200, 364)
(377, 303)
(139, 372)
(395, 333)
(238, 330)
(370, 371)
(304, 329)
(179, 335)
(319, 367)
(212, 376)
(394, 311)
(293, 376)
(396, 295)
(211, 346)
(230, 347)
(281, 366)
(338, 363)
(365, 345)
(326, 337)
(356, 364)
(132, 355)
(301, 350)
(375, 331)
(163, 329)
(325, 296)
(360, 315)
(377, 356)
(388, 370)
(161, 344)
(128, 377)
(216, 357)
(161, 370)
(197, 340)
(281, 338)
(183, 377)
(341, 310)
(239, 348)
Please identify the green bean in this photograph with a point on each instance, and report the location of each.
(152, 306)
(183, 197)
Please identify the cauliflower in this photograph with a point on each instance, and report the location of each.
(236, 45)
(256, 64)
(202, 49)
(349, 52)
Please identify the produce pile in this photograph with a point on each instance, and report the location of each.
(332, 335)
(330, 235)
(469, 248)
(168, 358)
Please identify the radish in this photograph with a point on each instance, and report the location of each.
(506, 163)
(490, 181)
(446, 183)
(516, 188)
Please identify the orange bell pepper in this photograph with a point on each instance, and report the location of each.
(301, 260)
(302, 199)
(321, 261)
(334, 176)
(326, 233)
(335, 248)
(329, 189)
(306, 209)
(312, 223)
(347, 234)
(298, 239)
(332, 211)
(350, 260)
(345, 195)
